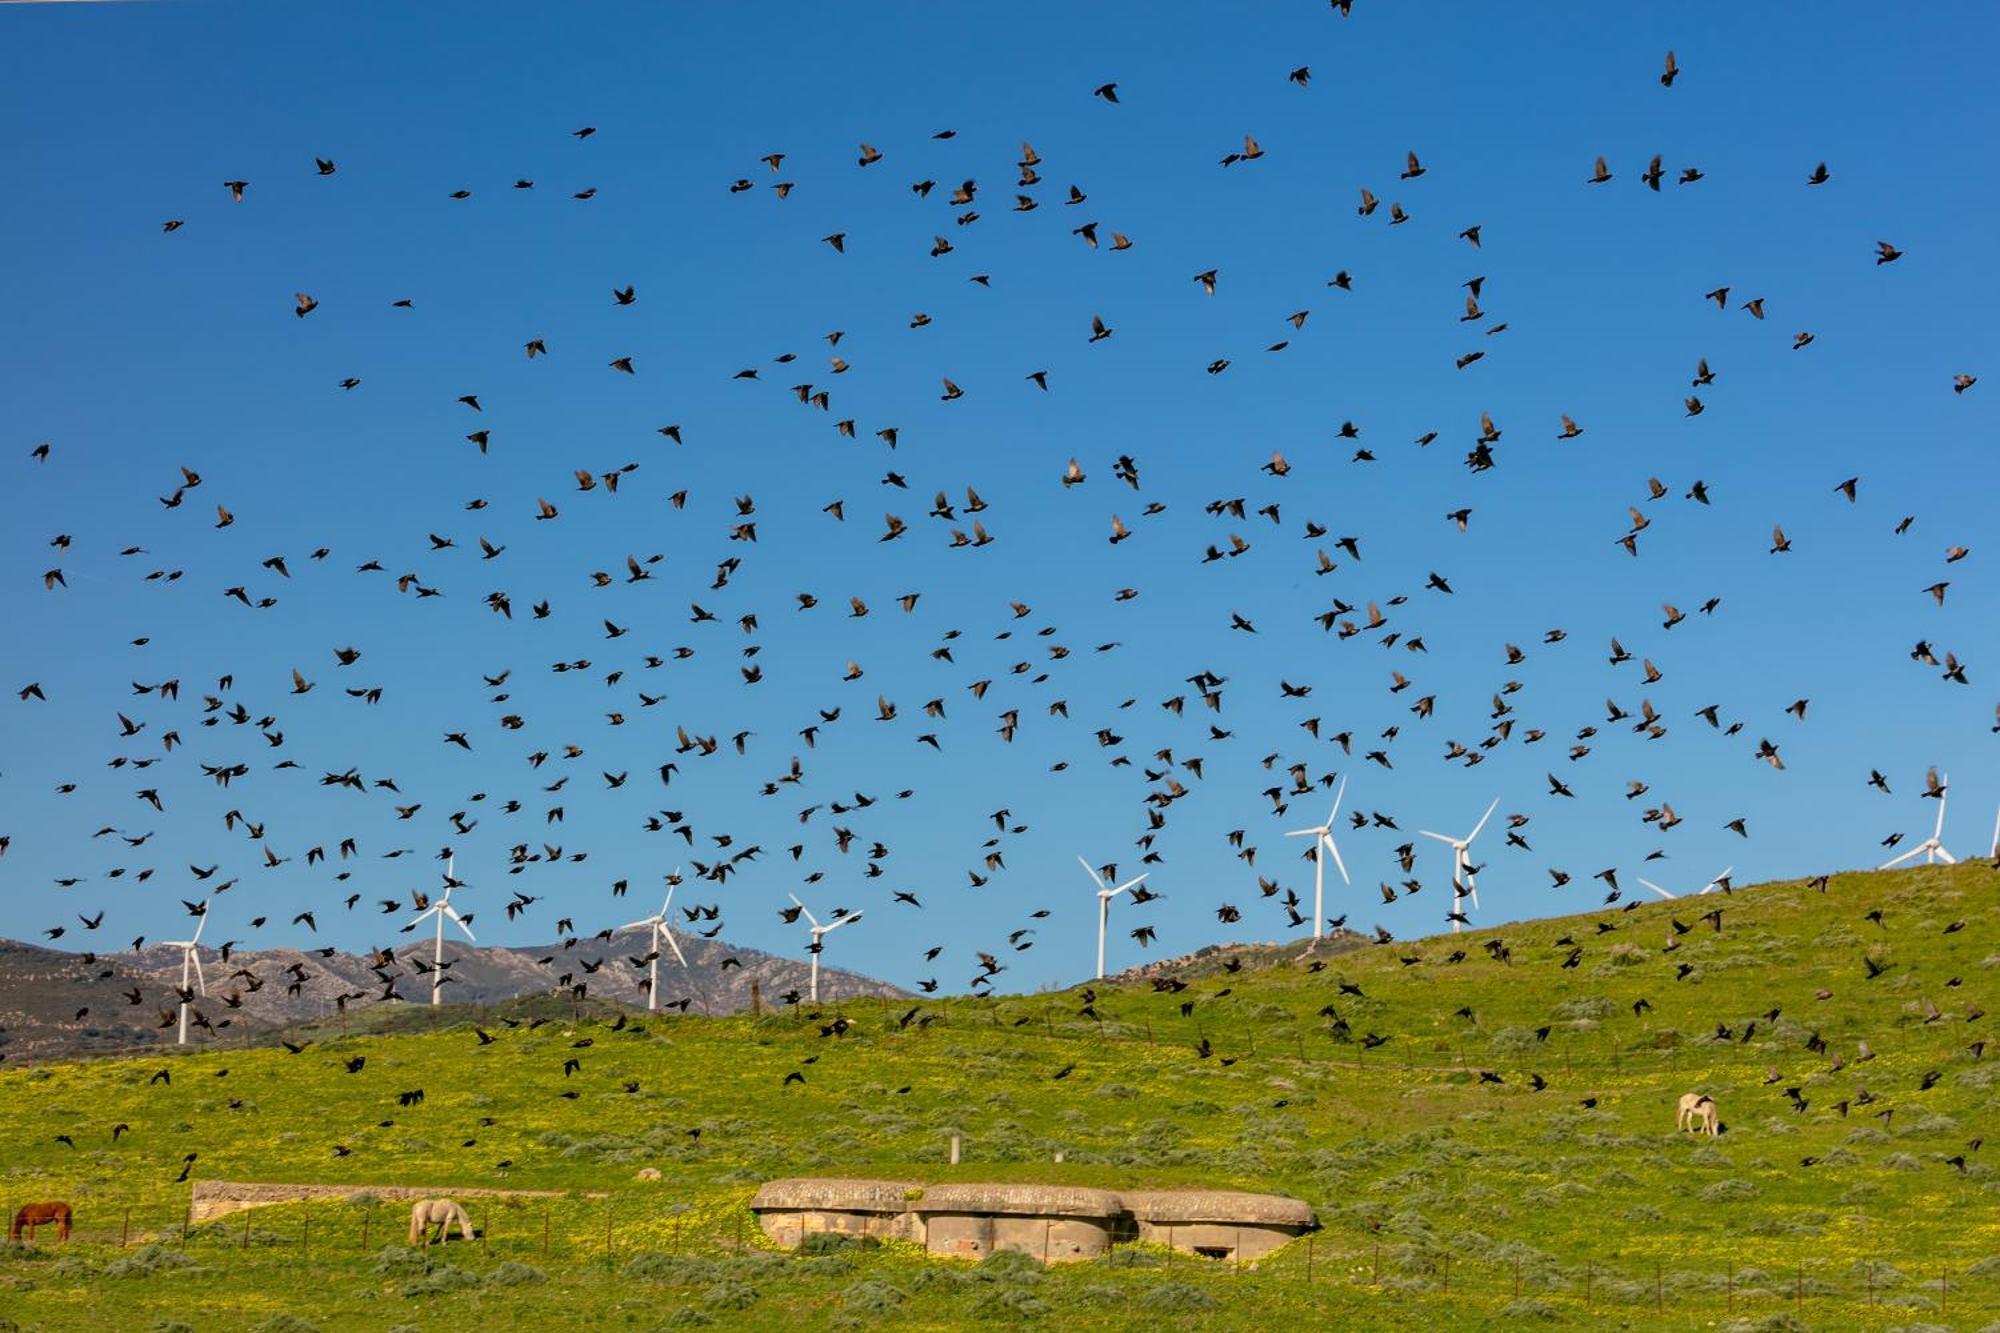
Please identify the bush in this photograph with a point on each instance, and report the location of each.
(162, 1325)
(730, 1295)
(833, 1242)
(1177, 1298)
(687, 1317)
(511, 1274)
(399, 1260)
(685, 1270)
(1009, 1302)
(440, 1281)
(873, 1297)
(285, 1323)
(1010, 1263)
(1725, 1191)
(148, 1260)
(1528, 1308)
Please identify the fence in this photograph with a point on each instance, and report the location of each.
(596, 1234)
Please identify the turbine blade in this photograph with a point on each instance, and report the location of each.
(674, 944)
(1328, 839)
(1339, 792)
(1482, 819)
(1426, 833)
(1657, 889)
(1092, 871)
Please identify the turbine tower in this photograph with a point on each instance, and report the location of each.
(1462, 881)
(1714, 883)
(819, 933)
(1931, 848)
(441, 909)
(1322, 836)
(657, 923)
(1105, 893)
(190, 958)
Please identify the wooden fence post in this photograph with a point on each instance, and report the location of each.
(1309, 1260)
(1732, 1288)
(1659, 1290)
(545, 1230)
(607, 1231)
(246, 1229)
(1944, 1288)
(367, 1216)
(125, 1231)
(1377, 1279)
(1589, 1282)
(305, 1235)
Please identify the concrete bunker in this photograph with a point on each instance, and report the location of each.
(790, 1210)
(1217, 1224)
(1052, 1223)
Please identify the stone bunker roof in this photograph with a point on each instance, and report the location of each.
(835, 1194)
(839, 1194)
(1019, 1200)
(1216, 1206)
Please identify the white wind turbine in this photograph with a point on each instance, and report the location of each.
(1931, 848)
(1322, 836)
(819, 933)
(657, 923)
(441, 909)
(1461, 864)
(190, 958)
(1105, 893)
(1714, 883)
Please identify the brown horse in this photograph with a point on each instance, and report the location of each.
(40, 1214)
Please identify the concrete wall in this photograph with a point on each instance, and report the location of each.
(789, 1228)
(1242, 1242)
(1050, 1239)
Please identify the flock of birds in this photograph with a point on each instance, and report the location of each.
(168, 740)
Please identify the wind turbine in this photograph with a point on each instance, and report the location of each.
(658, 924)
(1713, 884)
(1322, 835)
(190, 958)
(441, 909)
(1931, 848)
(1995, 853)
(819, 932)
(1461, 864)
(1105, 894)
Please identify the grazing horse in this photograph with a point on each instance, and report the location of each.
(1697, 1113)
(440, 1213)
(39, 1214)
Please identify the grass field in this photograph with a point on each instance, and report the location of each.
(1448, 1198)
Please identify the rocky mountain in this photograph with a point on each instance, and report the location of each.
(56, 1003)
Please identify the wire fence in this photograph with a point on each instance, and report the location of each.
(613, 1232)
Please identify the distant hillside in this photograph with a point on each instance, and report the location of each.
(54, 1003)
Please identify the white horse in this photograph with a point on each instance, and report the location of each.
(1697, 1112)
(440, 1213)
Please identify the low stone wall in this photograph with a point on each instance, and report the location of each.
(219, 1198)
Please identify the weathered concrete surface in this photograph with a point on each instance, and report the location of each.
(219, 1198)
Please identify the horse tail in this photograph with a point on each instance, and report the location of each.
(416, 1222)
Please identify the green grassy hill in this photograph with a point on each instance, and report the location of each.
(1405, 1107)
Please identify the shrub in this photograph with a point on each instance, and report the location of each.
(285, 1323)
(1009, 1302)
(687, 1317)
(729, 1294)
(442, 1280)
(833, 1242)
(399, 1259)
(873, 1297)
(1725, 1191)
(511, 1274)
(1528, 1308)
(685, 1270)
(148, 1260)
(1176, 1298)
(162, 1325)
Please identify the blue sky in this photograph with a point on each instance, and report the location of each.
(135, 353)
